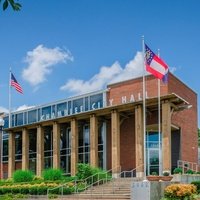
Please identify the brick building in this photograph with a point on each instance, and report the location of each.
(105, 129)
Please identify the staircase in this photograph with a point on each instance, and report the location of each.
(119, 188)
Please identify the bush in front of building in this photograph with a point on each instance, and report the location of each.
(180, 191)
(91, 174)
(52, 175)
(189, 171)
(33, 189)
(23, 176)
(178, 170)
(12, 196)
(197, 184)
(83, 171)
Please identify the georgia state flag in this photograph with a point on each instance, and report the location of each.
(155, 65)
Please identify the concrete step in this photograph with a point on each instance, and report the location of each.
(102, 196)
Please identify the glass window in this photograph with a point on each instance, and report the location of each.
(96, 101)
(13, 120)
(48, 147)
(86, 104)
(70, 108)
(78, 106)
(46, 113)
(53, 114)
(84, 144)
(6, 122)
(25, 117)
(65, 149)
(19, 119)
(32, 150)
(61, 109)
(5, 147)
(18, 146)
(32, 116)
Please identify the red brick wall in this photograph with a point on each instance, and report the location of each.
(134, 86)
(127, 144)
(186, 119)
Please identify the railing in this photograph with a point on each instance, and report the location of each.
(96, 180)
(86, 183)
(127, 174)
(185, 165)
(99, 180)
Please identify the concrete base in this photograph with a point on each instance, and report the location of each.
(186, 178)
(115, 175)
(139, 174)
(148, 190)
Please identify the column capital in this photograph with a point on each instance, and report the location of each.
(114, 111)
(93, 115)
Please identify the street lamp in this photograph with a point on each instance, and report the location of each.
(1, 142)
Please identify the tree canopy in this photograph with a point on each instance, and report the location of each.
(15, 6)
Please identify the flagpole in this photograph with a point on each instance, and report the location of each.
(159, 128)
(9, 96)
(144, 107)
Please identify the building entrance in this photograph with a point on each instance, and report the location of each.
(152, 153)
(153, 161)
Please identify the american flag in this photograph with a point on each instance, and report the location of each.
(15, 84)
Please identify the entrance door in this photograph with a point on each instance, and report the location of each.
(153, 161)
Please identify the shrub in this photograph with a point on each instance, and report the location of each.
(84, 171)
(52, 174)
(189, 171)
(22, 176)
(178, 170)
(166, 173)
(154, 173)
(197, 184)
(180, 191)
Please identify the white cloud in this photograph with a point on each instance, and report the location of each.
(41, 60)
(172, 69)
(23, 107)
(3, 110)
(106, 75)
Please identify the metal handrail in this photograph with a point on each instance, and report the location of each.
(75, 182)
(99, 180)
(130, 171)
(186, 165)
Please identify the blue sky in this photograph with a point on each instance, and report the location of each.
(58, 49)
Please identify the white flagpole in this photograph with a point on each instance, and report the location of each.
(144, 106)
(9, 96)
(159, 129)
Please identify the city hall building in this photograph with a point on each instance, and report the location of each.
(106, 129)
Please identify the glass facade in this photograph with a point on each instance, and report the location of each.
(152, 152)
(48, 147)
(65, 149)
(5, 147)
(84, 144)
(56, 110)
(65, 146)
(18, 146)
(32, 149)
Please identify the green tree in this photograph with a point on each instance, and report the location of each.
(15, 6)
(199, 137)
